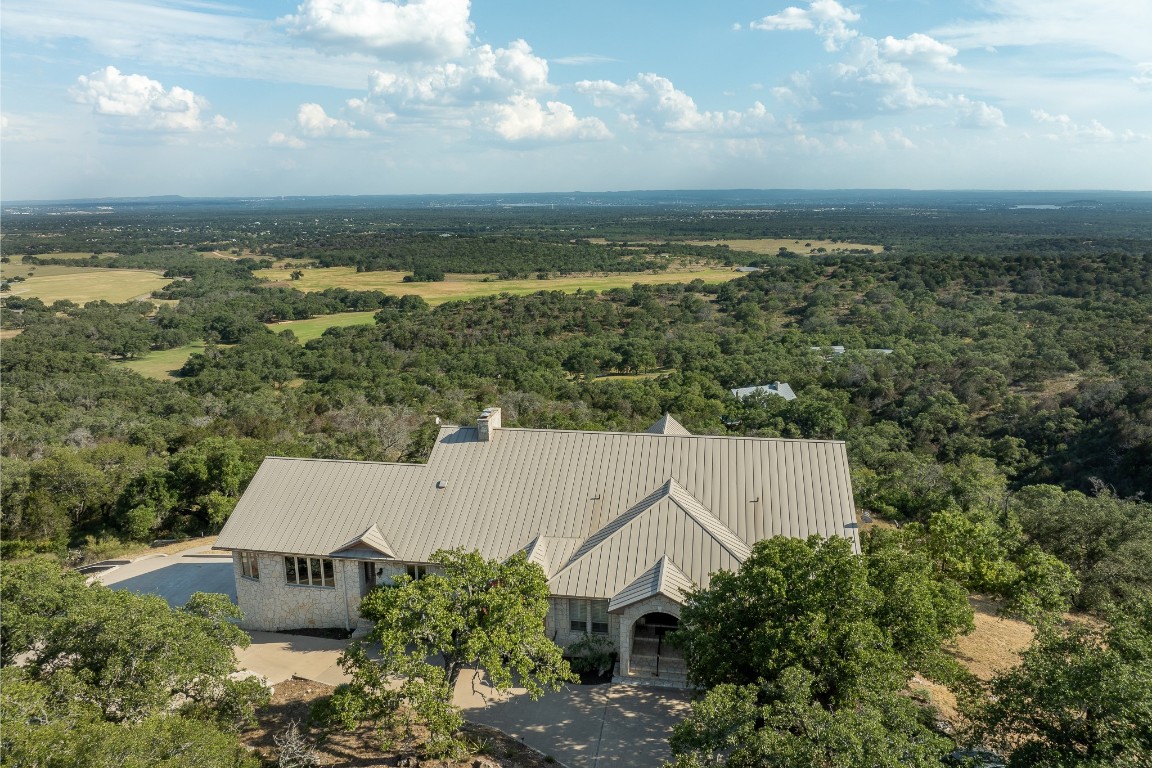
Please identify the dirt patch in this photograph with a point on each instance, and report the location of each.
(993, 646)
(293, 698)
(178, 546)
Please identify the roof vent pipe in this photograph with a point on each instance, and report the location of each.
(488, 424)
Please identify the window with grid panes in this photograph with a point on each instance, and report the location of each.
(309, 571)
(249, 566)
(589, 616)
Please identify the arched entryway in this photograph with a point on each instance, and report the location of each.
(651, 653)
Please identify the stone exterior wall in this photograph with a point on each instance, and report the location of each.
(628, 618)
(271, 604)
(557, 624)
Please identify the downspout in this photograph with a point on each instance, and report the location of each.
(344, 575)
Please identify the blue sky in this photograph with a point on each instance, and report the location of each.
(209, 97)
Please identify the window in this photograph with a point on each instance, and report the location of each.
(417, 571)
(589, 616)
(599, 616)
(309, 571)
(249, 565)
(578, 615)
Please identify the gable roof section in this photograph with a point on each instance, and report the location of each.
(371, 540)
(668, 426)
(318, 507)
(663, 578)
(700, 500)
(668, 520)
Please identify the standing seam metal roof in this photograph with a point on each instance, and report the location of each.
(620, 501)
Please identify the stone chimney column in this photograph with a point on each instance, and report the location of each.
(488, 424)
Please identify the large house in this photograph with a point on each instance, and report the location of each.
(622, 524)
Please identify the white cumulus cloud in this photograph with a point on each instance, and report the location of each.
(524, 119)
(140, 102)
(919, 49)
(976, 114)
(873, 76)
(1143, 76)
(482, 74)
(279, 139)
(313, 121)
(418, 30)
(654, 101)
(1063, 127)
(830, 20)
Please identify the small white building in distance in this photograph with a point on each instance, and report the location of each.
(622, 524)
(775, 388)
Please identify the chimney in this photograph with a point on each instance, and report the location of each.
(487, 424)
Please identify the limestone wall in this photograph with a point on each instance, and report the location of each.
(271, 604)
(627, 619)
(557, 627)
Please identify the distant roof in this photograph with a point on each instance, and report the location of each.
(596, 510)
(837, 349)
(775, 388)
(667, 426)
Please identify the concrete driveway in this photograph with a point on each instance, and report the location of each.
(584, 726)
(581, 726)
(175, 577)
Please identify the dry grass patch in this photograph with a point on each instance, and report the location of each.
(768, 246)
(460, 286)
(51, 283)
(993, 646)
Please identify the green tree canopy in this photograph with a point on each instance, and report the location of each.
(805, 650)
(1082, 698)
(468, 612)
(112, 678)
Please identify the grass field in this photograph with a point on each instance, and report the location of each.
(473, 286)
(770, 246)
(164, 363)
(314, 327)
(82, 284)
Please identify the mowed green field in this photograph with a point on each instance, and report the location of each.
(456, 286)
(164, 363)
(314, 327)
(83, 284)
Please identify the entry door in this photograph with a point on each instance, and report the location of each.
(367, 578)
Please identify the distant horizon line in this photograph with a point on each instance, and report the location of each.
(806, 191)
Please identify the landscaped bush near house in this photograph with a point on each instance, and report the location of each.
(592, 655)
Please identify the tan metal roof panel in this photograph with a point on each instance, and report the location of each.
(562, 488)
(668, 426)
(663, 578)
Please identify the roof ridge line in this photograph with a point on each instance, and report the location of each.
(346, 461)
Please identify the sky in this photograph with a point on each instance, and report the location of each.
(110, 98)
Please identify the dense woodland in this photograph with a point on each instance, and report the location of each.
(1009, 431)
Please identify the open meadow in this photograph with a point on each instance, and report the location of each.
(51, 283)
(770, 246)
(456, 287)
(162, 364)
(314, 327)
